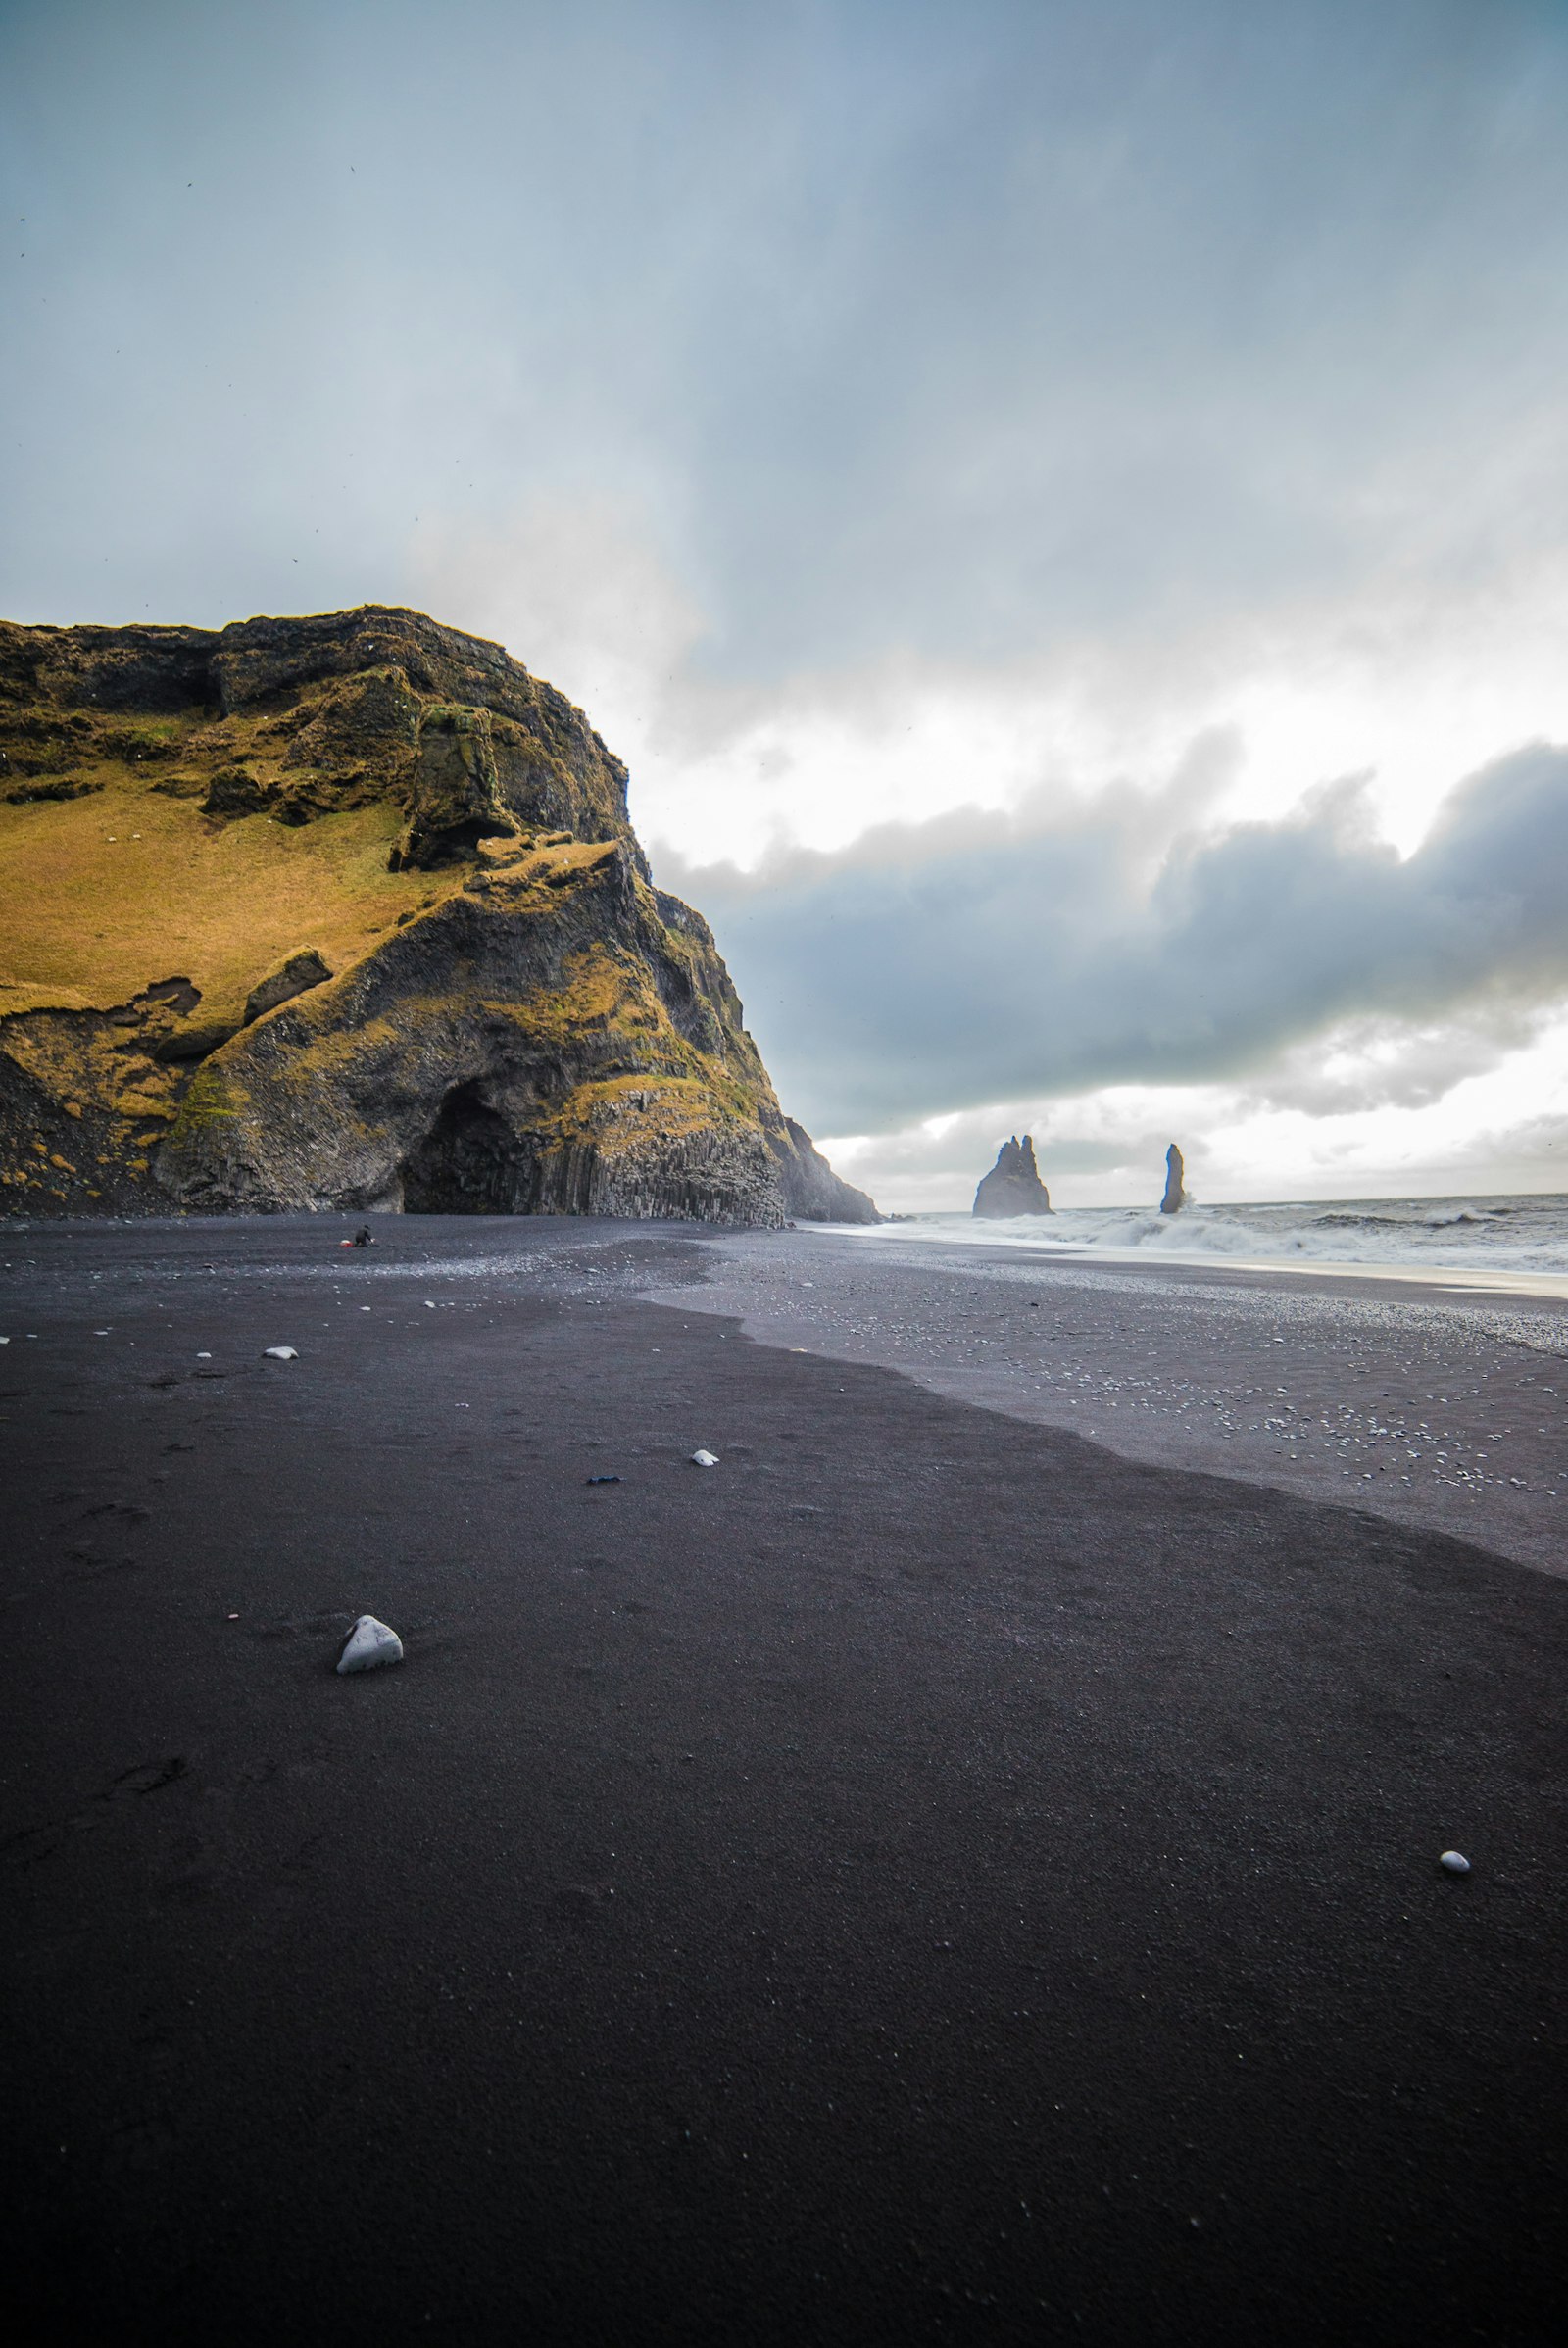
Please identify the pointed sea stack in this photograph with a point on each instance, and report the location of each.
(1175, 1198)
(1014, 1186)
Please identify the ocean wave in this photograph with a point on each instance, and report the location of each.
(1344, 1219)
(1519, 1235)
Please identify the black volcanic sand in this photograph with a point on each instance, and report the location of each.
(929, 1878)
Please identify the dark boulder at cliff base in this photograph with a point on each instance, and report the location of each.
(1175, 1198)
(1014, 1186)
(347, 913)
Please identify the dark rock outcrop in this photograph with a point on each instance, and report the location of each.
(1014, 1186)
(484, 1004)
(318, 714)
(813, 1191)
(296, 976)
(1175, 1198)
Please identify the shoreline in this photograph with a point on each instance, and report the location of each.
(1441, 1411)
(1501, 1281)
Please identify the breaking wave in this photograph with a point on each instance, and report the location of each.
(1518, 1235)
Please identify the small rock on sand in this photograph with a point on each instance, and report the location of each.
(1456, 1862)
(281, 1353)
(370, 1643)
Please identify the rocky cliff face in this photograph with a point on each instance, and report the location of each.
(1014, 1186)
(347, 913)
(815, 1194)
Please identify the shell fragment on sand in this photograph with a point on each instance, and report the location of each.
(705, 1459)
(281, 1353)
(370, 1643)
(1456, 1862)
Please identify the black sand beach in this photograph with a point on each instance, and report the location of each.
(933, 1876)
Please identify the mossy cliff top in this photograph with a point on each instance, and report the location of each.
(348, 911)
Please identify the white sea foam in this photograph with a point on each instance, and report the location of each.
(1506, 1240)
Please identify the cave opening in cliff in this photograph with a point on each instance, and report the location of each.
(468, 1163)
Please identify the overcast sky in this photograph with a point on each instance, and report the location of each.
(1065, 508)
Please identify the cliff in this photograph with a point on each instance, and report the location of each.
(348, 912)
(1014, 1186)
(816, 1194)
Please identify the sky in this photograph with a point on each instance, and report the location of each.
(1062, 507)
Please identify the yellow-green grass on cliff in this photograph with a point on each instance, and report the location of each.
(101, 897)
(622, 1112)
(608, 992)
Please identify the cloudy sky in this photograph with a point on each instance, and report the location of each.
(1063, 505)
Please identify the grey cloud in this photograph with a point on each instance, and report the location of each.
(901, 327)
(941, 966)
(1371, 1063)
(964, 1150)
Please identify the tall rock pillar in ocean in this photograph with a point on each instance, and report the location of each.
(1014, 1186)
(1175, 1198)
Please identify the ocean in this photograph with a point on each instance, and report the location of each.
(1518, 1243)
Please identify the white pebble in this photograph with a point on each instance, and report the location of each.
(1456, 1862)
(281, 1353)
(370, 1644)
(705, 1459)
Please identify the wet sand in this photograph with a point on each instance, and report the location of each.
(1442, 1409)
(932, 1878)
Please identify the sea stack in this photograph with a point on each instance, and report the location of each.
(1175, 1198)
(1014, 1186)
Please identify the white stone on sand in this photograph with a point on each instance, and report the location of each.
(281, 1353)
(370, 1642)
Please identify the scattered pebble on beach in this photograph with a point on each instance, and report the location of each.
(370, 1643)
(1456, 1862)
